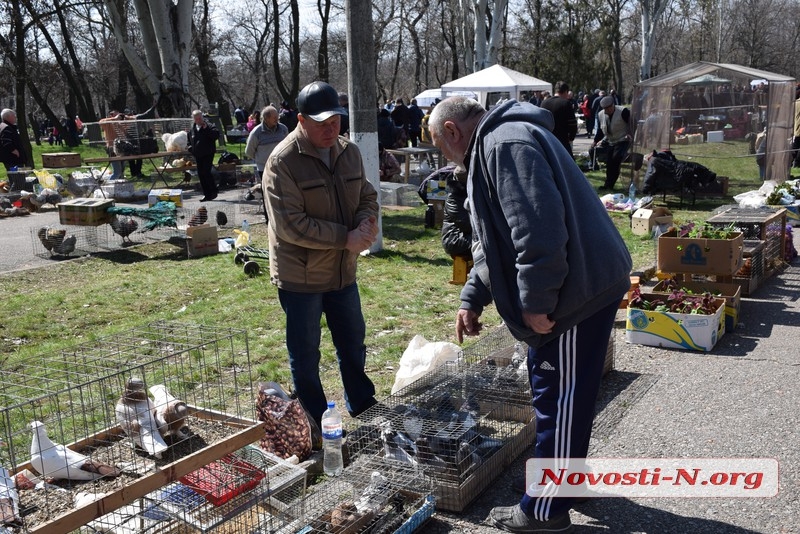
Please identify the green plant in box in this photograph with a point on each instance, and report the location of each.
(706, 231)
(679, 301)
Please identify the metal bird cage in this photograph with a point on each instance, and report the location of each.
(74, 393)
(214, 213)
(55, 242)
(460, 424)
(369, 496)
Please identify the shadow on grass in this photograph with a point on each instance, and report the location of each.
(404, 226)
(174, 249)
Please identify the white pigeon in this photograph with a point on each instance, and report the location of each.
(170, 412)
(9, 499)
(136, 416)
(55, 461)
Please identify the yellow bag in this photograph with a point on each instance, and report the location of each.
(46, 180)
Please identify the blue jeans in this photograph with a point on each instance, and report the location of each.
(342, 309)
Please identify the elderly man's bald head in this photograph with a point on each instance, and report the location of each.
(452, 123)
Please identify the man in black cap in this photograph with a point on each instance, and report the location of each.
(12, 154)
(614, 130)
(322, 215)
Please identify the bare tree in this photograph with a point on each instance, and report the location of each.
(166, 33)
(291, 87)
(652, 10)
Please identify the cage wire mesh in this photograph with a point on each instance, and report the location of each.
(458, 423)
(370, 496)
(77, 394)
(214, 213)
(59, 242)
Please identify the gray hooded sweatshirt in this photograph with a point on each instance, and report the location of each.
(545, 241)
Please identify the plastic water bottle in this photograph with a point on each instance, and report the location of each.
(632, 192)
(245, 226)
(332, 463)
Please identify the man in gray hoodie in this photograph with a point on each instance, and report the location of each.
(552, 261)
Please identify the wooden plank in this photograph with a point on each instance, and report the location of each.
(79, 517)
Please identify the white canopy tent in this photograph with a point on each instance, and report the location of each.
(427, 97)
(496, 82)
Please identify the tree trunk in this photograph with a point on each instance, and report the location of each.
(20, 80)
(209, 74)
(323, 63)
(288, 89)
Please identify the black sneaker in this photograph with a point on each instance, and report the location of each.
(518, 486)
(513, 519)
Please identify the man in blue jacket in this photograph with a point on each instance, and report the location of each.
(554, 264)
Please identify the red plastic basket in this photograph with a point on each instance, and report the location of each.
(221, 481)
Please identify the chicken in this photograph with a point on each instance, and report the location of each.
(66, 246)
(50, 237)
(170, 412)
(55, 461)
(200, 217)
(124, 226)
(136, 416)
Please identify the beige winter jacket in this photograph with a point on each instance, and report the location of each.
(311, 208)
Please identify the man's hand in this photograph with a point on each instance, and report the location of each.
(15, 152)
(363, 236)
(467, 323)
(538, 322)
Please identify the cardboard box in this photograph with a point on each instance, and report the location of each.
(644, 220)
(675, 330)
(732, 294)
(437, 190)
(202, 240)
(118, 188)
(697, 255)
(85, 211)
(169, 195)
(58, 160)
(716, 136)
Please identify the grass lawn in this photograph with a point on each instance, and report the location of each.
(404, 289)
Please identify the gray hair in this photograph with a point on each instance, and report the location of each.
(457, 109)
(6, 113)
(197, 112)
(268, 110)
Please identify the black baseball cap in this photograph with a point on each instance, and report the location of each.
(319, 101)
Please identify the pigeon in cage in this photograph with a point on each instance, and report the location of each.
(467, 459)
(397, 446)
(136, 416)
(50, 237)
(375, 494)
(55, 461)
(170, 412)
(427, 457)
(412, 422)
(9, 499)
(67, 245)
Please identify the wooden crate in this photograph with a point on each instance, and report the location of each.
(58, 160)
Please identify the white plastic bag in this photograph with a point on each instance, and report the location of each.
(423, 356)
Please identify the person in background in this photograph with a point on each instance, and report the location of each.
(614, 130)
(11, 152)
(389, 166)
(555, 267)
(456, 226)
(425, 134)
(415, 115)
(344, 101)
(386, 131)
(203, 137)
(264, 138)
(253, 120)
(240, 115)
(113, 129)
(261, 142)
(288, 115)
(323, 213)
(566, 125)
(586, 111)
(399, 115)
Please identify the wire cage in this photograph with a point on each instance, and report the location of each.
(86, 400)
(58, 242)
(237, 493)
(459, 423)
(214, 213)
(130, 230)
(135, 131)
(369, 496)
